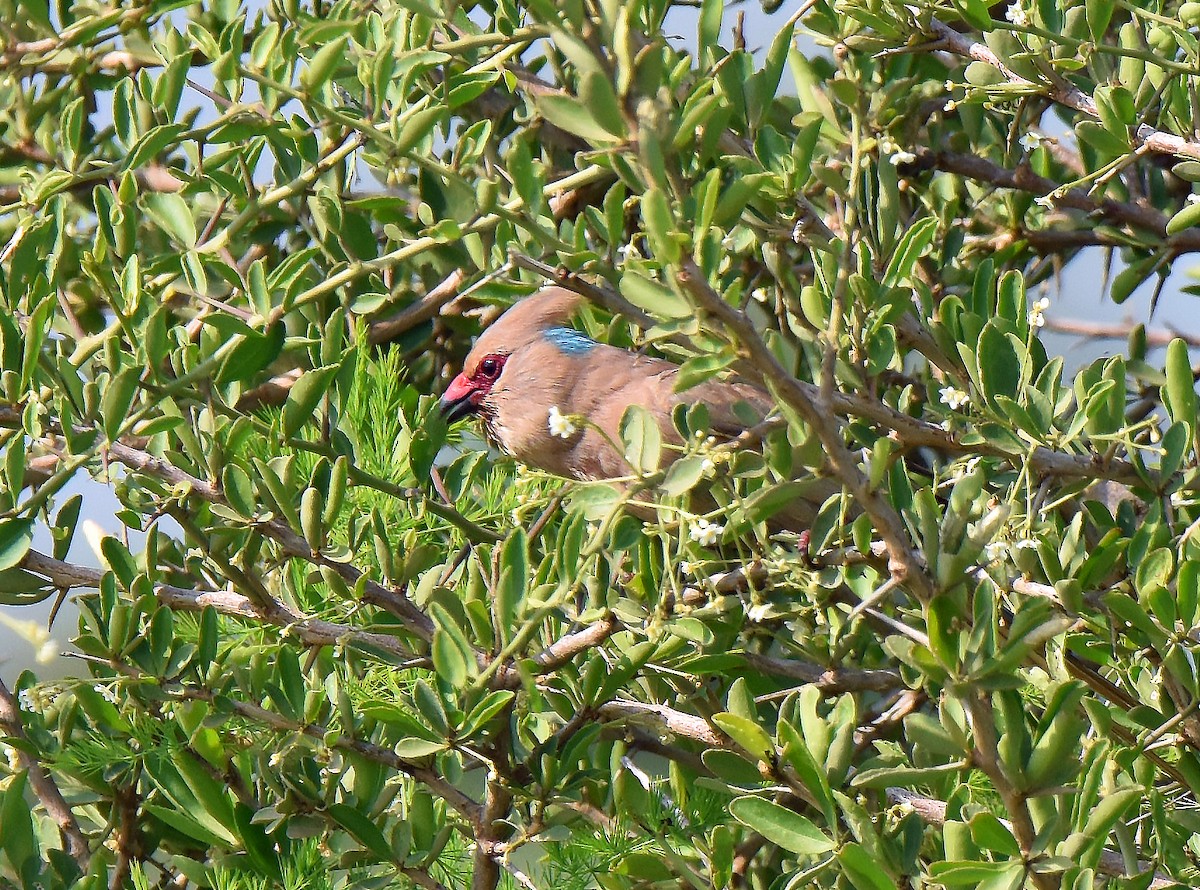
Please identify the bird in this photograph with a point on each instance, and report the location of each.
(531, 364)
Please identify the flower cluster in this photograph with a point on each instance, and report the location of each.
(1037, 311)
(894, 153)
(705, 533)
(561, 424)
(1031, 140)
(1017, 15)
(953, 397)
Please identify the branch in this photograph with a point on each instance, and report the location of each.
(41, 782)
(457, 800)
(560, 652)
(828, 680)
(1104, 331)
(903, 562)
(312, 631)
(686, 725)
(394, 600)
(933, 812)
(1024, 179)
(1059, 90)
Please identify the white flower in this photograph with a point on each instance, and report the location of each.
(759, 294)
(705, 533)
(105, 693)
(276, 759)
(48, 651)
(560, 424)
(953, 397)
(901, 157)
(1017, 15)
(25, 701)
(1025, 544)
(707, 466)
(950, 106)
(1046, 201)
(686, 568)
(628, 252)
(1037, 311)
(1030, 141)
(14, 759)
(995, 550)
(887, 146)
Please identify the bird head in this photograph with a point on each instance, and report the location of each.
(488, 366)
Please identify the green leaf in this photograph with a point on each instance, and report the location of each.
(781, 826)
(989, 833)
(864, 871)
(16, 536)
(363, 829)
(18, 838)
(304, 397)
(683, 475)
(598, 94)
(452, 656)
(514, 581)
(1101, 138)
(174, 215)
(415, 748)
(954, 873)
(660, 225)
(999, 365)
(655, 298)
(570, 114)
(321, 68)
(117, 399)
(21, 588)
(746, 733)
(1180, 390)
(975, 12)
(909, 249)
(642, 439)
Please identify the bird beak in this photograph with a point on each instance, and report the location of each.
(456, 400)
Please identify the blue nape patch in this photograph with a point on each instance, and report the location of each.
(569, 340)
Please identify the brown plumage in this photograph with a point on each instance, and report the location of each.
(530, 361)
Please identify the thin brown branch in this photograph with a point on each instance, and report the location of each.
(456, 799)
(1138, 216)
(933, 812)
(1107, 331)
(43, 785)
(311, 631)
(828, 680)
(903, 563)
(987, 758)
(561, 651)
(686, 725)
(1058, 90)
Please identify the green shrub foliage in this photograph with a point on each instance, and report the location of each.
(334, 644)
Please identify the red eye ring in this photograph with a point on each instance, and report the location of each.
(490, 367)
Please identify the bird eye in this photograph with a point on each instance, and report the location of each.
(489, 368)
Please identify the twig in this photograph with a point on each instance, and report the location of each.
(74, 841)
(828, 680)
(312, 631)
(933, 812)
(681, 724)
(1058, 90)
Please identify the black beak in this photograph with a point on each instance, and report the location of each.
(453, 409)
